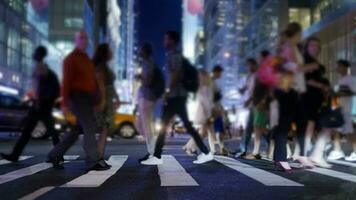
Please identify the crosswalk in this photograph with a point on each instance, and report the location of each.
(171, 174)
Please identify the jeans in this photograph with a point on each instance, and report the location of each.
(248, 133)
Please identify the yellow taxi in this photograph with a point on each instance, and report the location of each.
(124, 123)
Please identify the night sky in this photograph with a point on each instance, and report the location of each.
(155, 18)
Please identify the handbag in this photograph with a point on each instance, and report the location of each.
(331, 118)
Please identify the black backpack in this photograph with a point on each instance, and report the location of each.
(190, 76)
(158, 83)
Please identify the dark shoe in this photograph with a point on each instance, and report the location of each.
(254, 157)
(61, 159)
(241, 155)
(56, 162)
(144, 158)
(104, 163)
(10, 157)
(98, 167)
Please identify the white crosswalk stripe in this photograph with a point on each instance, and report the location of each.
(334, 174)
(28, 171)
(173, 174)
(264, 177)
(341, 162)
(96, 178)
(4, 162)
(90, 179)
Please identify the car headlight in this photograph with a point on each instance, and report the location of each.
(57, 127)
(57, 115)
(158, 126)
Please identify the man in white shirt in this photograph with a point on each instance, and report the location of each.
(346, 89)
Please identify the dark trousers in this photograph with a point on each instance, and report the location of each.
(82, 106)
(287, 107)
(177, 106)
(248, 133)
(34, 116)
(301, 120)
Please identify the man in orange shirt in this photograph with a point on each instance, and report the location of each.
(79, 92)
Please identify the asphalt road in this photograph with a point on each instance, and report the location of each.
(178, 178)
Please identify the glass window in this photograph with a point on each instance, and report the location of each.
(2, 32)
(300, 15)
(13, 54)
(73, 22)
(2, 54)
(13, 40)
(13, 59)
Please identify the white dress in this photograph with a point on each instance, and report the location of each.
(204, 105)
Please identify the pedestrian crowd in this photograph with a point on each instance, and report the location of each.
(292, 105)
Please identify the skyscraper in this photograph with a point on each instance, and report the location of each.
(19, 35)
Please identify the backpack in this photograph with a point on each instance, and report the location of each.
(158, 84)
(190, 76)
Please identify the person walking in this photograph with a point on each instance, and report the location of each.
(109, 99)
(203, 115)
(218, 110)
(248, 91)
(346, 89)
(152, 88)
(80, 95)
(175, 100)
(311, 100)
(324, 114)
(292, 84)
(46, 90)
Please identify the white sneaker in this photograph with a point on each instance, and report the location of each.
(203, 158)
(336, 155)
(352, 157)
(153, 161)
(321, 163)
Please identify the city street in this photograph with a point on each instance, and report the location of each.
(177, 178)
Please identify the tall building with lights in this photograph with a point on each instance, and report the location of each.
(23, 26)
(220, 44)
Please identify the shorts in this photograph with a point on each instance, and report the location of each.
(260, 118)
(219, 125)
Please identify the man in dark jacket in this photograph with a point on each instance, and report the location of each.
(46, 89)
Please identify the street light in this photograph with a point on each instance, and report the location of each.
(227, 54)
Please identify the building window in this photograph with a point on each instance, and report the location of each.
(13, 44)
(18, 5)
(73, 22)
(300, 15)
(26, 61)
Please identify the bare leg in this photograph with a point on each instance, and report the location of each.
(257, 141)
(318, 154)
(212, 139)
(337, 142)
(308, 136)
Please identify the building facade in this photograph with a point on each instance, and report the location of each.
(220, 44)
(18, 38)
(66, 18)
